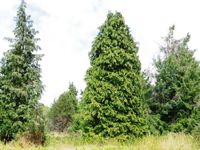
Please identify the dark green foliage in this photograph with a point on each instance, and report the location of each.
(113, 99)
(62, 110)
(78, 119)
(20, 84)
(156, 126)
(177, 90)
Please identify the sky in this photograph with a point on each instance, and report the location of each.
(67, 29)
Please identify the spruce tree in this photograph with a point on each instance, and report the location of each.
(63, 109)
(177, 90)
(20, 84)
(113, 98)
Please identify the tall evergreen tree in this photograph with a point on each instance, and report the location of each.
(177, 90)
(20, 84)
(63, 109)
(112, 101)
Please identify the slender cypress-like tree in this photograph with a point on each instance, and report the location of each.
(20, 84)
(112, 101)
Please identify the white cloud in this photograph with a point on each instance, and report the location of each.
(68, 27)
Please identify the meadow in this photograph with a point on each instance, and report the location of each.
(121, 105)
(63, 141)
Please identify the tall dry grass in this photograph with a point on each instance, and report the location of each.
(170, 141)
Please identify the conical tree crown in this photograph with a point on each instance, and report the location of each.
(20, 84)
(114, 46)
(113, 97)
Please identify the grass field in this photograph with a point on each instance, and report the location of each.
(66, 142)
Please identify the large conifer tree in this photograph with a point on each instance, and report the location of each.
(112, 101)
(20, 84)
(177, 90)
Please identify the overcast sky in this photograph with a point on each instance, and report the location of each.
(68, 27)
